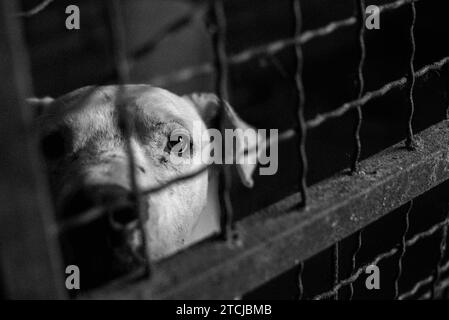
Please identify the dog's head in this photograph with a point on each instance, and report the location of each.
(86, 152)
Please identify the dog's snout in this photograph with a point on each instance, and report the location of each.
(115, 200)
(123, 217)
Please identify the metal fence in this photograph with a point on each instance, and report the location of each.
(270, 242)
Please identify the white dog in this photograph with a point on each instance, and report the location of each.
(88, 165)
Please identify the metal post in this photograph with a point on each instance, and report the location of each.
(29, 258)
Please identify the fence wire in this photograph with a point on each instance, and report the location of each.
(368, 96)
(360, 14)
(300, 92)
(124, 121)
(35, 10)
(354, 261)
(402, 248)
(270, 49)
(220, 65)
(388, 254)
(218, 32)
(411, 79)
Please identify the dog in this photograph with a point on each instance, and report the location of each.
(86, 154)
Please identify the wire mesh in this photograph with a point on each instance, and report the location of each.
(360, 14)
(388, 254)
(302, 131)
(220, 65)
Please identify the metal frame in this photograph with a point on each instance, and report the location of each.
(29, 254)
(272, 240)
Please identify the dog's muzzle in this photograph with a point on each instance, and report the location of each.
(107, 237)
(114, 202)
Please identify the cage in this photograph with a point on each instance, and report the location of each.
(363, 148)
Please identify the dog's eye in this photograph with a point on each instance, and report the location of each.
(178, 143)
(53, 145)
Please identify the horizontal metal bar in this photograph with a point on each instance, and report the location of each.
(279, 237)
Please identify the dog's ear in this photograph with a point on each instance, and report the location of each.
(249, 143)
(39, 105)
(207, 106)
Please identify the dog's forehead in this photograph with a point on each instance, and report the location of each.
(99, 103)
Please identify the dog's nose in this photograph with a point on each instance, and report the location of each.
(123, 217)
(101, 231)
(115, 201)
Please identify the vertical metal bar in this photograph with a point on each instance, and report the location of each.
(30, 261)
(302, 128)
(360, 14)
(218, 30)
(336, 259)
(124, 120)
(447, 92)
(354, 262)
(402, 249)
(410, 143)
(300, 281)
(443, 246)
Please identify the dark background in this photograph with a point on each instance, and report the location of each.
(262, 91)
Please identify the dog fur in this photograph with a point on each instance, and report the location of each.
(94, 154)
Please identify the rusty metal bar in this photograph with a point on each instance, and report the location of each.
(411, 80)
(336, 264)
(29, 256)
(276, 238)
(300, 281)
(301, 96)
(402, 249)
(358, 115)
(354, 261)
(218, 32)
(124, 120)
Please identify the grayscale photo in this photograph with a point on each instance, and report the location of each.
(247, 151)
